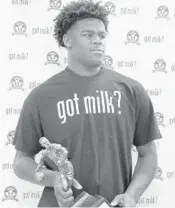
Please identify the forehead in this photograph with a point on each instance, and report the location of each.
(93, 24)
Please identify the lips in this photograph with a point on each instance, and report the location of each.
(97, 49)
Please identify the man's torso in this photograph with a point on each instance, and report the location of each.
(94, 118)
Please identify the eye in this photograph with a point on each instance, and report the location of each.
(102, 36)
(88, 35)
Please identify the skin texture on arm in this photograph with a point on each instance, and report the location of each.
(25, 166)
(144, 171)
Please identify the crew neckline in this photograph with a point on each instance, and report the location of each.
(83, 76)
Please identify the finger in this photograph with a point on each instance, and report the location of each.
(118, 200)
(67, 194)
(60, 189)
(76, 184)
(64, 202)
(68, 202)
(59, 203)
(64, 182)
(61, 192)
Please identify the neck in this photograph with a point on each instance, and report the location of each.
(81, 69)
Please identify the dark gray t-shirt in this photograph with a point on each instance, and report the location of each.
(97, 119)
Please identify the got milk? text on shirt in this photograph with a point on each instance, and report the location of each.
(101, 103)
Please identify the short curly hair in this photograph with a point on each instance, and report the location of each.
(75, 11)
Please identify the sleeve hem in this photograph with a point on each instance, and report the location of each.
(144, 143)
(27, 151)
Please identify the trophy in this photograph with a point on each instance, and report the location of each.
(54, 157)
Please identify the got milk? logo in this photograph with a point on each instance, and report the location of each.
(129, 11)
(162, 12)
(52, 58)
(10, 137)
(160, 66)
(21, 2)
(133, 37)
(108, 61)
(100, 102)
(158, 174)
(10, 193)
(20, 28)
(55, 4)
(16, 83)
(110, 7)
(160, 119)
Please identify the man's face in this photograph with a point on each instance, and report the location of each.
(88, 42)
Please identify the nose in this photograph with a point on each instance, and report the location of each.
(97, 41)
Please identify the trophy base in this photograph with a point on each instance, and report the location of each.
(86, 200)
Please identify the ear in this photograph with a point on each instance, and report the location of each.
(67, 40)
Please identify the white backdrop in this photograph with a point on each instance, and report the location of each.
(141, 45)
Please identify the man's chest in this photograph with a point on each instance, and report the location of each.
(66, 112)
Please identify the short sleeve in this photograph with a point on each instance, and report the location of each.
(146, 129)
(28, 130)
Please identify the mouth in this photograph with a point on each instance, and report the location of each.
(99, 51)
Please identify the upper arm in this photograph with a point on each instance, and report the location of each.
(149, 148)
(20, 154)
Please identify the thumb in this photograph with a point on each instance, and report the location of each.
(76, 184)
(117, 200)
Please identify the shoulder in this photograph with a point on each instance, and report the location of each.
(126, 81)
(50, 83)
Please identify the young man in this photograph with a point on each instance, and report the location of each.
(96, 113)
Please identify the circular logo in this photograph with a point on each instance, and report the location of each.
(110, 7)
(159, 117)
(52, 57)
(158, 173)
(10, 192)
(132, 36)
(10, 136)
(20, 27)
(160, 64)
(162, 11)
(17, 81)
(108, 61)
(55, 3)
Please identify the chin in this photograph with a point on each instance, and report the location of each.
(95, 63)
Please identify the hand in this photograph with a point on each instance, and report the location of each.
(64, 197)
(124, 200)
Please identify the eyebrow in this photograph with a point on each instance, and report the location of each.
(88, 30)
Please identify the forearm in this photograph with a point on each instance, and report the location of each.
(143, 175)
(25, 169)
